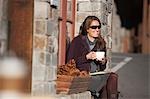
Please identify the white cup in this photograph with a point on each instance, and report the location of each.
(100, 55)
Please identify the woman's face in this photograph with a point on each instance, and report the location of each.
(94, 29)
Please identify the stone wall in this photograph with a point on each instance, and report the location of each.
(3, 26)
(45, 48)
(45, 39)
(103, 10)
(45, 51)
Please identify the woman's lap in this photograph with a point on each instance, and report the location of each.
(97, 82)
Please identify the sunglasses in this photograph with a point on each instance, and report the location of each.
(95, 27)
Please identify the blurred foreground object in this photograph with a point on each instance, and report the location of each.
(13, 73)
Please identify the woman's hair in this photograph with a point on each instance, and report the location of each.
(86, 25)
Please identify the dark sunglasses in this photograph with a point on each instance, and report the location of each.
(95, 27)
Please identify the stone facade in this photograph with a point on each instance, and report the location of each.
(45, 48)
(103, 10)
(45, 39)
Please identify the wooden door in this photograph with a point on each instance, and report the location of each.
(20, 16)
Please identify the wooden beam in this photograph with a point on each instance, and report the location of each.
(20, 13)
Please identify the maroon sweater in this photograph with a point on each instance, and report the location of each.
(78, 50)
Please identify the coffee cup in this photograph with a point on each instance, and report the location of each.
(100, 55)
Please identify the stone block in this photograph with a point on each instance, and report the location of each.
(43, 88)
(42, 10)
(104, 30)
(38, 73)
(52, 27)
(52, 45)
(109, 18)
(84, 6)
(104, 19)
(43, 71)
(94, 6)
(83, 95)
(51, 73)
(43, 57)
(40, 26)
(39, 42)
(36, 58)
(48, 27)
(109, 41)
(48, 59)
(103, 7)
(54, 13)
(82, 15)
(64, 97)
(109, 6)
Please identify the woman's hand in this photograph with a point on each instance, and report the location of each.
(91, 55)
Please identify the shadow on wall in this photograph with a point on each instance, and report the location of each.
(130, 12)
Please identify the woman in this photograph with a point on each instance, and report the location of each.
(83, 50)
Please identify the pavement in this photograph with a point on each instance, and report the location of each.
(134, 76)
